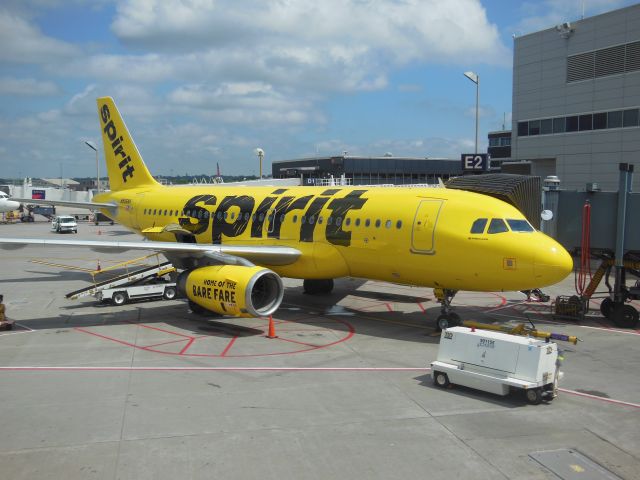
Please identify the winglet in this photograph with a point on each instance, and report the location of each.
(125, 166)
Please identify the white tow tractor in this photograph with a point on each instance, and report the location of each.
(497, 362)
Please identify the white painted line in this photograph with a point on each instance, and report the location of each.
(603, 399)
(614, 330)
(249, 369)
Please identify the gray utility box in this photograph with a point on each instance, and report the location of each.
(496, 362)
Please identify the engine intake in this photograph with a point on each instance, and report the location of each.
(233, 290)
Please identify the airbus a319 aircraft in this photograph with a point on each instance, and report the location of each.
(233, 243)
(7, 205)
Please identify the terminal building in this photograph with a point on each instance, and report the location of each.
(348, 170)
(576, 100)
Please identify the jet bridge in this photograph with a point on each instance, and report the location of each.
(614, 239)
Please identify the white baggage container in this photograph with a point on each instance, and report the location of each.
(496, 362)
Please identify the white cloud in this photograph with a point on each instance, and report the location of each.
(331, 45)
(27, 87)
(24, 43)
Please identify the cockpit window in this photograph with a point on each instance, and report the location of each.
(519, 225)
(497, 225)
(478, 226)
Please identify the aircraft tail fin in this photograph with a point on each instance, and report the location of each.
(125, 166)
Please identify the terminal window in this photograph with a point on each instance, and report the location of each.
(579, 123)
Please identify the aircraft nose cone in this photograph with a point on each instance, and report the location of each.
(552, 263)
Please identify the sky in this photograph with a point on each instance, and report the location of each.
(206, 82)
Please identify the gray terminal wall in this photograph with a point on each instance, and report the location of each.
(541, 91)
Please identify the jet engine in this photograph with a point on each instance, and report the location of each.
(233, 290)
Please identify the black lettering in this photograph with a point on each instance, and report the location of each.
(209, 293)
(285, 205)
(127, 173)
(260, 214)
(116, 143)
(104, 112)
(239, 225)
(226, 295)
(307, 229)
(200, 214)
(340, 206)
(120, 151)
(110, 130)
(124, 162)
(233, 297)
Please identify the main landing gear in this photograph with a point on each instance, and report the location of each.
(447, 317)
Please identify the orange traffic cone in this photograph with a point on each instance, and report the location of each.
(272, 328)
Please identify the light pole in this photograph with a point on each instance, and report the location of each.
(92, 147)
(260, 154)
(475, 78)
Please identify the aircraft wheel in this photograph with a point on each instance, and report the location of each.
(534, 396)
(606, 307)
(170, 293)
(624, 316)
(315, 287)
(441, 379)
(447, 320)
(119, 298)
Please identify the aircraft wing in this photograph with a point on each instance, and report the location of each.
(64, 203)
(224, 254)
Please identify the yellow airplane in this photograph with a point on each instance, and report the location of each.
(233, 244)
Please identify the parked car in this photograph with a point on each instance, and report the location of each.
(64, 223)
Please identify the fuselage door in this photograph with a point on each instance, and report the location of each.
(424, 226)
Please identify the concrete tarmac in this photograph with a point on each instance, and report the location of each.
(150, 390)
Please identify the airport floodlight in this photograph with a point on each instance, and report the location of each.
(93, 147)
(475, 78)
(260, 153)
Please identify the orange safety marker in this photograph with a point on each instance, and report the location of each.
(272, 328)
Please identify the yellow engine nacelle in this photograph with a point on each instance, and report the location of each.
(233, 290)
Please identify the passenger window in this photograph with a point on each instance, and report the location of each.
(312, 220)
(225, 215)
(165, 213)
(219, 215)
(497, 225)
(330, 221)
(367, 222)
(155, 210)
(519, 225)
(338, 221)
(478, 226)
(320, 220)
(399, 224)
(295, 219)
(378, 223)
(387, 224)
(347, 222)
(357, 222)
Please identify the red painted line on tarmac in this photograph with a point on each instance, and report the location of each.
(602, 399)
(159, 329)
(389, 307)
(299, 343)
(165, 343)
(122, 342)
(421, 307)
(229, 345)
(230, 369)
(186, 347)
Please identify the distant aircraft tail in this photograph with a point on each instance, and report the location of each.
(125, 166)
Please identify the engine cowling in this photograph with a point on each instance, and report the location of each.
(233, 290)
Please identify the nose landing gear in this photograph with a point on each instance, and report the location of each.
(447, 317)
